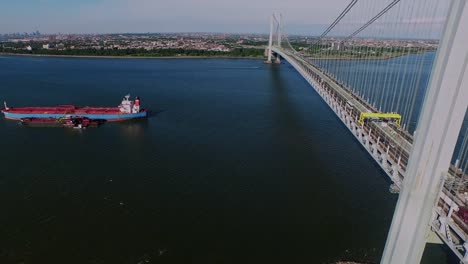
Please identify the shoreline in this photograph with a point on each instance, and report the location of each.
(129, 57)
(187, 57)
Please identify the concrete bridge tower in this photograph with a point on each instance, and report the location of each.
(270, 41)
(273, 19)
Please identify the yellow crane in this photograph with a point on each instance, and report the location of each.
(394, 116)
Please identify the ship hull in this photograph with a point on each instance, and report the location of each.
(108, 117)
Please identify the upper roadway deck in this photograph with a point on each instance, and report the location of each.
(360, 105)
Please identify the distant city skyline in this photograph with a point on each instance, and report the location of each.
(301, 17)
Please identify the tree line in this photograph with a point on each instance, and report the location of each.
(238, 52)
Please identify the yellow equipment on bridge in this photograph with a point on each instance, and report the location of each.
(394, 116)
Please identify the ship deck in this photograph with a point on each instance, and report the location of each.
(66, 109)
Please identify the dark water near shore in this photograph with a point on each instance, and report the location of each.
(241, 163)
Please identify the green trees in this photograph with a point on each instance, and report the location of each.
(239, 52)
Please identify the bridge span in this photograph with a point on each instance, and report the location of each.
(388, 144)
(385, 142)
(424, 166)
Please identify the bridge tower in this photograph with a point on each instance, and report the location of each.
(278, 33)
(438, 128)
(273, 19)
(270, 41)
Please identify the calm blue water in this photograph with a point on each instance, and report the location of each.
(240, 162)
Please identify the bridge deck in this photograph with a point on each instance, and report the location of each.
(390, 147)
(360, 105)
(401, 144)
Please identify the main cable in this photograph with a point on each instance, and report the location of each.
(381, 13)
(335, 22)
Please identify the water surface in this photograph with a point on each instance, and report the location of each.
(240, 162)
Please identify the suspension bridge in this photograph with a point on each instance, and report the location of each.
(371, 66)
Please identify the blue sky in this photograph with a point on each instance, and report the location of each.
(243, 16)
(96, 16)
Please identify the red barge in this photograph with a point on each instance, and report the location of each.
(72, 122)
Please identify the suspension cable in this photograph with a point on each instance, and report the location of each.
(381, 13)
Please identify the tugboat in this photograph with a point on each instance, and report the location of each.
(128, 109)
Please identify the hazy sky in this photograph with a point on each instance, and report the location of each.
(243, 16)
(88, 16)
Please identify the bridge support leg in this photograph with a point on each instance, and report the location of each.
(376, 147)
(374, 150)
(438, 130)
(278, 60)
(384, 161)
(442, 221)
(270, 41)
(395, 175)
